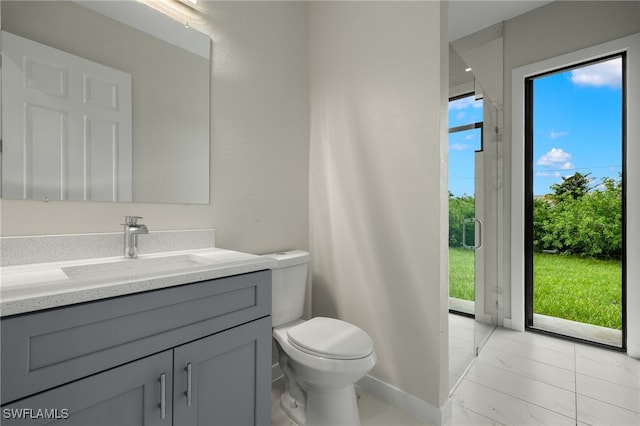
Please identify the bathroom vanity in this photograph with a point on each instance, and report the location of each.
(186, 346)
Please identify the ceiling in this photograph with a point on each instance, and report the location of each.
(469, 16)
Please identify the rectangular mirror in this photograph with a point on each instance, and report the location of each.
(170, 98)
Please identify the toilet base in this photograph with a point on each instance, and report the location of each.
(325, 407)
(294, 409)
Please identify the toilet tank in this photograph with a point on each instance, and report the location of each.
(288, 285)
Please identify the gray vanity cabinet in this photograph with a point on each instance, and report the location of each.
(193, 354)
(129, 395)
(215, 378)
(214, 381)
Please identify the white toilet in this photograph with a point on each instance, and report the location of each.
(321, 358)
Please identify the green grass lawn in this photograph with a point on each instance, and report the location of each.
(578, 289)
(569, 287)
(461, 274)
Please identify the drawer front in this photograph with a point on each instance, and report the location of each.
(46, 349)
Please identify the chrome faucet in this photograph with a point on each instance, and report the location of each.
(131, 231)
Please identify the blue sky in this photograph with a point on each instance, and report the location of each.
(577, 124)
(462, 145)
(577, 128)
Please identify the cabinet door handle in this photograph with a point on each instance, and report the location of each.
(188, 391)
(163, 396)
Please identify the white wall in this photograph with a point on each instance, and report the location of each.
(260, 158)
(259, 141)
(379, 88)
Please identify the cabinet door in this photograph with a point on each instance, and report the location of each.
(230, 378)
(126, 395)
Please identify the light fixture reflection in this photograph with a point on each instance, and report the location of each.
(184, 11)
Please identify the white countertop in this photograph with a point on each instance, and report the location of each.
(32, 287)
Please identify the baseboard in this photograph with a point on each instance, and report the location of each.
(276, 372)
(406, 402)
(506, 323)
(397, 397)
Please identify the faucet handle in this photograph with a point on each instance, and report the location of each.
(132, 220)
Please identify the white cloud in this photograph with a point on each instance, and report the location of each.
(607, 73)
(459, 147)
(549, 174)
(555, 158)
(567, 166)
(464, 103)
(556, 135)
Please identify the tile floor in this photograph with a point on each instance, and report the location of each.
(527, 379)
(580, 330)
(464, 335)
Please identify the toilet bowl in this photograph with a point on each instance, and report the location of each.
(321, 358)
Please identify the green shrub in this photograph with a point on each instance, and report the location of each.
(460, 208)
(576, 219)
(588, 225)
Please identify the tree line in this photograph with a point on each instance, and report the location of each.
(577, 218)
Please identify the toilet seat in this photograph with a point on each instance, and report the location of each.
(330, 338)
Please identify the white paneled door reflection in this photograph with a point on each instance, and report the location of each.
(71, 137)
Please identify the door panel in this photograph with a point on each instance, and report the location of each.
(75, 123)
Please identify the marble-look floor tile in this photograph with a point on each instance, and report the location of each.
(461, 321)
(463, 417)
(462, 333)
(504, 408)
(558, 358)
(459, 363)
(521, 378)
(606, 356)
(526, 367)
(533, 391)
(461, 346)
(608, 365)
(453, 380)
(537, 339)
(598, 413)
(609, 392)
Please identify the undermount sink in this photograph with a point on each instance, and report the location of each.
(140, 267)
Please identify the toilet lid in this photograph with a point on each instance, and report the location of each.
(331, 338)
